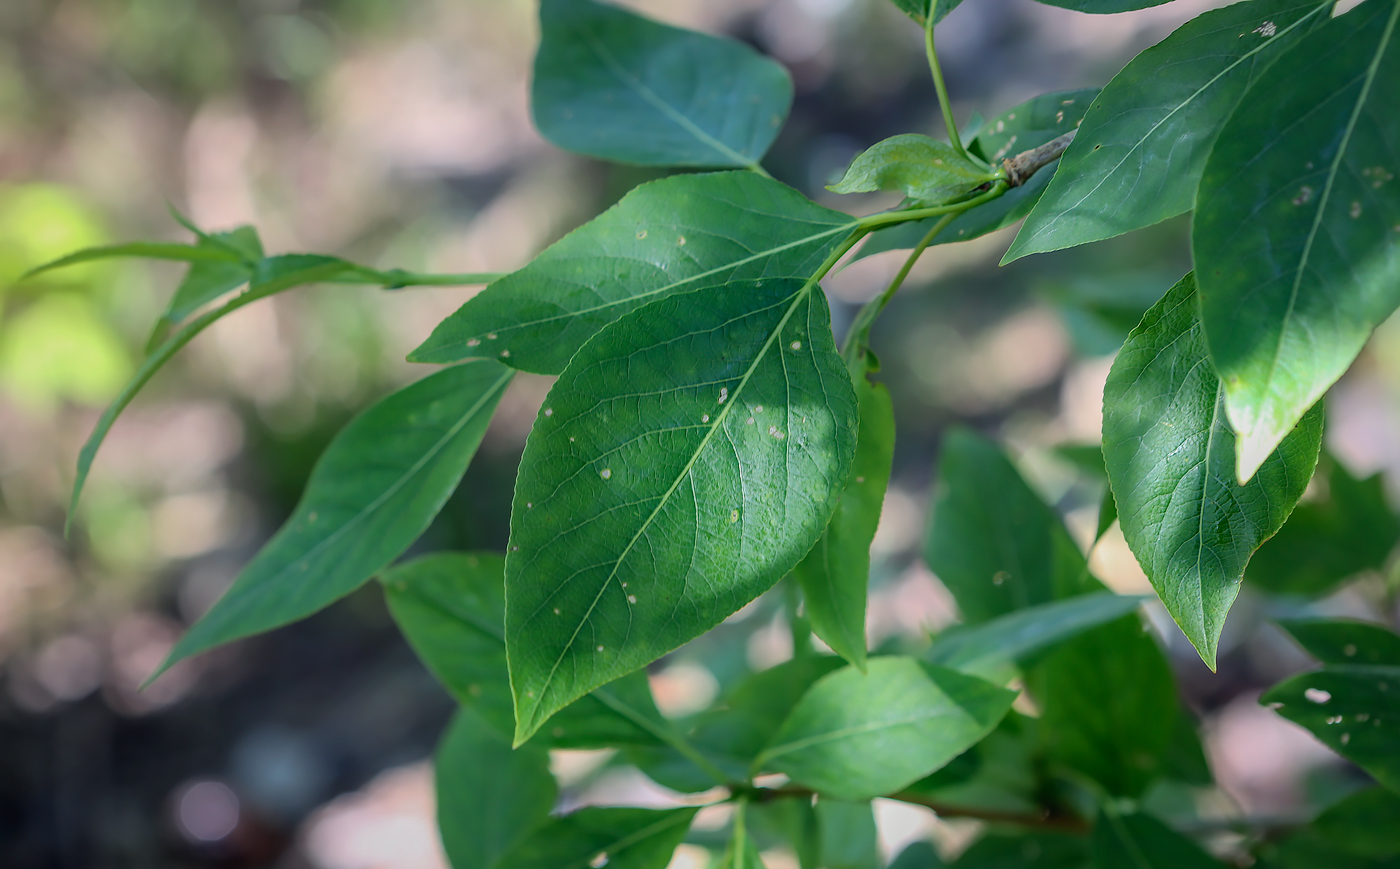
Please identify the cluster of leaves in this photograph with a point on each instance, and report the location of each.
(706, 438)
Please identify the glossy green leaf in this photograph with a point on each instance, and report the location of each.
(1140, 841)
(593, 837)
(925, 170)
(918, 9)
(1330, 539)
(1140, 151)
(611, 84)
(1295, 238)
(1026, 851)
(1170, 456)
(848, 836)
(986, 649)
(1354, 709)
(376, 488)
(672, 235)
(488, 797)
(857, 735)
(683, 463)
(451, 609)
(992, 541)
(734, 733)
(1108, 706)
(835, 574)
(1364, 823)
(1026, 126)
(1345, 641)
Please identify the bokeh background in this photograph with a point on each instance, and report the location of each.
(397, 133)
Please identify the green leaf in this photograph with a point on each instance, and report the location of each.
(147, 249)
(1140, 841)
(612, 84)
(735, 732)
(918, 9)
(1139, 154)
(1108, 514)
(592, 837)
(986, 649)
(208, 279)
(488, 797)
(1295, 238)
(927, 171)
(1328, 540)
(376, 488)
(1185, 758)
(451, 609)
(1104, 7)
(1355, 711)
(1026, 126)
(855, 736)
(788, 822)
(835, 574)
(683, 463)
(1108, 705)
(672, 235)
(1345, 641)
(1170, 452)
(848, 835)
(992, 541)
(919, 855)
(1026, 851)
(740, 853)
(1363, 823)
(1306, 849)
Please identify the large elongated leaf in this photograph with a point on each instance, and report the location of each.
(612, 84)
(684, 462)
(374, 490)
(1294, 237)
(617, 838)
(991, 540)
(1354, 709)
(1345, 641)
(1140, 841)
(1020, 128)
(1143, 145)
(671, 235)
(857, 735)
(190, 253)
(451, 609)
(835, 574)
(986, 649)
(488, 797)
(1329, 540)
(1170, 453)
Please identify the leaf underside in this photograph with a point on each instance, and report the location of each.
(1170, 457)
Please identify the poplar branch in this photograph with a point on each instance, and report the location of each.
(1020, 168)
(1045, 821)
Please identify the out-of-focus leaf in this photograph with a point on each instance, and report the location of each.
(1354, 709)
(1364, 823)
(1294, 232)
(848, 835)
(375, 489)
(919, 855)
(668, 236)
(1327, 541)
(611, 84)
(1139, 154)
(992, 541)
(145, 249)
(1140, 841)
(684, 462)
(1170, 454)
(451, 609)
(1027, 851)
(857, 735)
(488, 797)
(594, 837)
(1345, 641)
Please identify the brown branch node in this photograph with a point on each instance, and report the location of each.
(1020, 168)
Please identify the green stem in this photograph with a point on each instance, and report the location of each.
(938, 84)
(889, 218)
(859, 334)
(741, 845)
